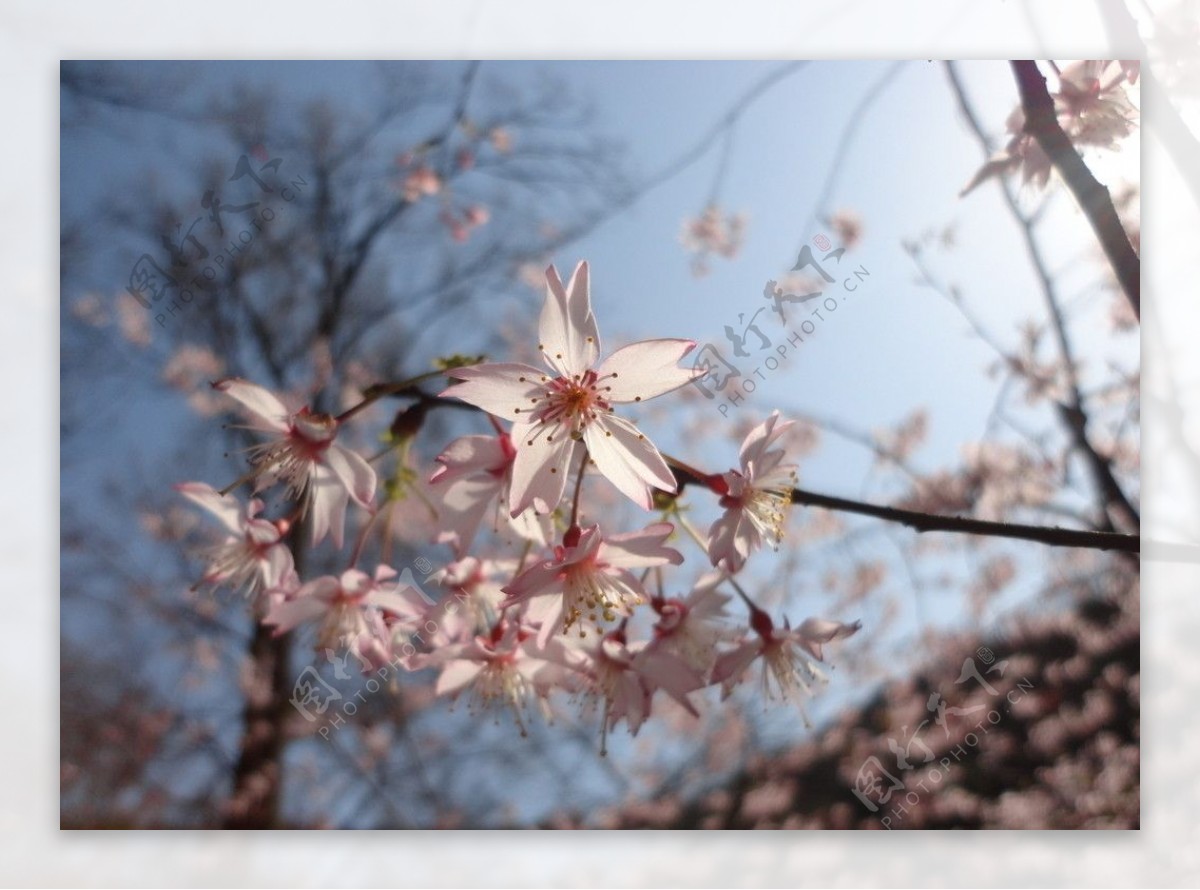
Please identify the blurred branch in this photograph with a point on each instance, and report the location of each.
(1041, 122)
(1073, 414)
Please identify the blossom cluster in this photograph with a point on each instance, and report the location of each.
(554, 599)
(1093, 108)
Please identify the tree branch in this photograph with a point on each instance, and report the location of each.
(922, 522)
(1073, 414)
(1041, 123)
(930, 522)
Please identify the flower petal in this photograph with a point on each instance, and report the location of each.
(539, 474)
(543, 579)
(456, 676)
(327, 505)
(644, 370)
(505, 389)
(461, 508)
(277, 565)
(813, 632)
(568, 337)
(756, 455)
(730, 539)
(641, 549)
(224, 507)
(627, 458)
(731, 665)
(468, 455)
(354, 472)
(262, 404)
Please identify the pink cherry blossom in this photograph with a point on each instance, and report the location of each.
(756, 498)
(421, 182)
(712, 233)
(1092, 105)
(253, 558)
(785, 655)
(345, 608)
(555, 413)
(1093, 109)
(475, 475)
(589, 578)
(473, 595)
(626, 676)
(322, 475)
(691, 627)
(499, 668)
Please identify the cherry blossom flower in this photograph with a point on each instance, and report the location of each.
(756, 499)
(712, 233)
(187, 369)
(90, 310)
(692, 626)
(553, 414)
(346, 607)
(626, 676)
(847, 227)
(499, 668)
(785, 655)
(473, 594)
(133, 320)
(1093, 109)
(1092, 105)
(320, 474)
(461, 225)
(589, 578)
(501, 140)
(421, 182)
(1021, 153)
(475, 474)
(253, 558)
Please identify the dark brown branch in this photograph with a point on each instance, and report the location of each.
(1041, 123)
(930, 522)
(922, 522)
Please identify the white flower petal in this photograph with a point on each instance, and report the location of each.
(627, 458)
(569, 338)
(644, 370)
(354, 472)
(327, 505)
(505, 389)
(456, 676)
(539, 474)
(730, 539)
(224, 507)
(468, 455)
(756, 446)
(262, 404)
(641, 549)
(277, 566)
(813, 632)
(461, 508)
